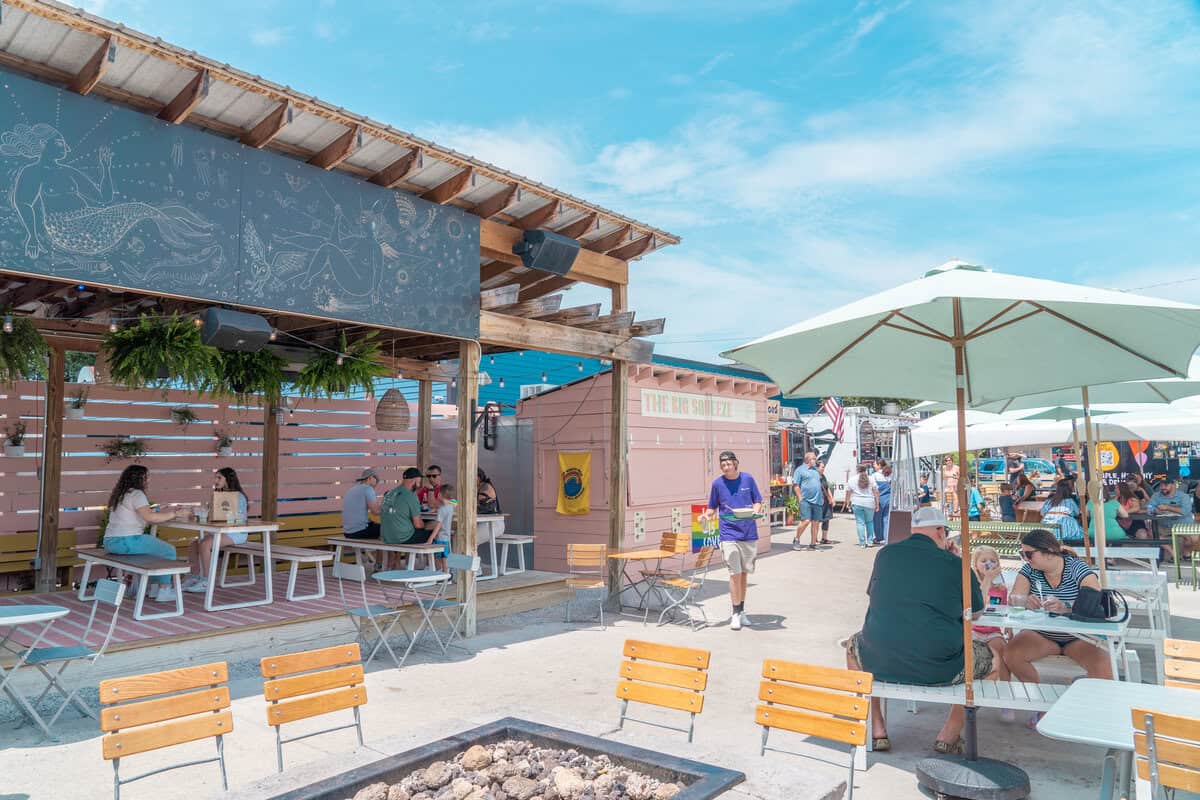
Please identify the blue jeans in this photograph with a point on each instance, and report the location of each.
(882, 518)
(863, 519)
(141, 545)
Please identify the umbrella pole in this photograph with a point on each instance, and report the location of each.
(1095, 493)
(1081, 486)
(960, 398)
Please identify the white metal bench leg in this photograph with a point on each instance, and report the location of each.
(291, 588)
(141, 599)
(226, 557)
(504, 558)
(1133, 666)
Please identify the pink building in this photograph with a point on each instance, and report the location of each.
(679, 421)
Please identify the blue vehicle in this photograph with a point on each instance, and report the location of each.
(994, 470)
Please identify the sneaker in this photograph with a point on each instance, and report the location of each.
(735, 622)
(166, 595)
(198, 585)
(745, 620)
(796, 545)
(191, 580)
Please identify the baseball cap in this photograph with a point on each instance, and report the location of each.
(928, 517)
(411, 472)
(366, 475)
(727, 455)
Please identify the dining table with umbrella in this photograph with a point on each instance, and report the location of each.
(960, 334)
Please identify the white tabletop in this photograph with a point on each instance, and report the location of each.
(223, 527)
(1040, 621)
(412, 576)
(1135, 551)
(1135, 579)
(28, 615)
(1100, 712)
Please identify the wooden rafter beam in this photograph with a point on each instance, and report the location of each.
(574, 315)
(338, 150)
(609, 240)
(489, 272)
(87, 78)
(532, 308)
(419, 370)
(579, 227)
(269, 126)
(186, 101)
(539, 217)
(527, 334)
(548, 285)
(500, 296)
(498, 202)
(633, 249)
(398, 171)
(648, 327)
(610, 322)
(98, 303)
(30, 292)
(451, 188)
(496, 241)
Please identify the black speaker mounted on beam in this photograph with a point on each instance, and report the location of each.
(547, 251)
(235, 330)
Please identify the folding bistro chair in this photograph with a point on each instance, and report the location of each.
(312, 683)
(683, 591)
(588, 568)
(446, 606)
(109, 593)
(679, 685)
(175, 715)
(368, 612)
(1182, 663)
(791, 692)
(1166, 751)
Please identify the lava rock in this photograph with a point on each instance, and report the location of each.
(568, 784)
(666, 791)
(477, 757)
(437, 775)
(520, 788)
(376, 791)
(397, 792)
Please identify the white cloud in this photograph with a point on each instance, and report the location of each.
(490, 32)
(533, 151)
(324, 30)
(619, 93)
(715, 62)
(268, 37)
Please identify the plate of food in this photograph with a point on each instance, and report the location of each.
(743, 513)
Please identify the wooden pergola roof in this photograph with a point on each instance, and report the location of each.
(521, 308)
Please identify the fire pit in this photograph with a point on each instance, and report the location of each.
(691, 780)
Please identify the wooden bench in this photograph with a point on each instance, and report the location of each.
(19, 552)
(295, 556)
(664, 676)
(411, 550)
(145, 566)
(520, 540)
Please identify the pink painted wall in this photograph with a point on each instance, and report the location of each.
(671, 462)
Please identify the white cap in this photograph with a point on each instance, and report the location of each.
(928, 517)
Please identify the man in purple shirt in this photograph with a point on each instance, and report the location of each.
(739, 537)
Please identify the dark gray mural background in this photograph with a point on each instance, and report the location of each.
(96, 193)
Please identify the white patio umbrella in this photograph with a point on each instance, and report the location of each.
(962, 333)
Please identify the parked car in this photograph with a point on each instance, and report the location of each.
(995, 469)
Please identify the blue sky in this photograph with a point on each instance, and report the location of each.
(807, 152)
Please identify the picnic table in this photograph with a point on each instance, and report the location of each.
(488, 527)
(1100, 713)
(215, 529)
(1108, 636)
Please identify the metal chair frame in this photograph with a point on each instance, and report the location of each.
(371, 612)
(687, 598)
(585, 563)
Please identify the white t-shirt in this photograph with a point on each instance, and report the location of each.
(124, 520)
(862, 497)
(445, 518)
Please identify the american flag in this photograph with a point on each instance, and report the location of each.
(833, 407)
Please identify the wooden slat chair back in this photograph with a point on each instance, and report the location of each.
(303, 685)
(1182, 663)
(825, 702)
(1167, 750)
(587, 565)
(665, 676)
(148, 712)
(677, 542)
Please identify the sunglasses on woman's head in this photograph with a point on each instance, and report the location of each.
(1028, 554)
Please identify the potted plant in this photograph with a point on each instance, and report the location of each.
(124, 447)
(224, 443)
(247, 374)
(183, 416)
(157, 351)
(352, 367)
(14, 439)
(791, 505)
(76, 403)
(22, 351)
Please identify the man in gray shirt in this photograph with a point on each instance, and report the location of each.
(358, 504)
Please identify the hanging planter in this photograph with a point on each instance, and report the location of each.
(158, 352)
(224, 443)
(392, 413)
(14, 440)
(244, 375)
(22, 350)
(76, 404)
(123, 448)
(183, 416)
(352, 368)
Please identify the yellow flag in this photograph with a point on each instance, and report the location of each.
(574, 482)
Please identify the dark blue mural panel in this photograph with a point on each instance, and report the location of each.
(99, 194)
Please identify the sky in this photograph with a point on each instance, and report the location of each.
(808, 153)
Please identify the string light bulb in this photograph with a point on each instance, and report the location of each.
(453, 383)
(502, 383)
(543, 377)
(112, 326)
(197, 322)
(274, 335)
(8, 326)
(579, 365)
(341, 359)
(492, 360)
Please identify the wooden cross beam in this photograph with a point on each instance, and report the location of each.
(398, 171)
(269, 126)
(609, 240)
(338, 150)
(538, 218)
(451, 188)
(186, 101)
(633, 249)
(91, 73)
(579, 227)
(528, 334)
(498, 202)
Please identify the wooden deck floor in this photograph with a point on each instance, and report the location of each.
(507, 594)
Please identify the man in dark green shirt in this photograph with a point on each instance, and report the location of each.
(913, 632)
(400, 517)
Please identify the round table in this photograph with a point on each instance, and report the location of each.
(14, 617)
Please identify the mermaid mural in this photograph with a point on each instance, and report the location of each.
(62, 209)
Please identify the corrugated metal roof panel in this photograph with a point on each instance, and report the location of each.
(304, 127)
(375, 154)
(159, 80)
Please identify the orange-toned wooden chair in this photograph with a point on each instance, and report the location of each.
(161, 709)
(312, 683)
(665, 676)
(825, 702)
(682, 591)
(1167, 750)
(1181, 663)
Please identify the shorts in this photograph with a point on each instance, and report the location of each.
(369, 532)
(740, 556)
(982, 653)
(237, 538)
(810, 512)
(986, 636)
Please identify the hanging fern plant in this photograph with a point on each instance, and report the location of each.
(359, 366)
(22, 352)
(246, 374)
(158, 352)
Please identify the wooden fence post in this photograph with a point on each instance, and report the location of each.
(51, 472)
(468, 481)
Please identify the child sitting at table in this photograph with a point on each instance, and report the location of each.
(1008, 509)
(986, 563)
(446, 506)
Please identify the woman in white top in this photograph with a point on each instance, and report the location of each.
(200, 552)
(864, 499)
(129, 513)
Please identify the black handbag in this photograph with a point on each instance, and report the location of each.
(1099, 605)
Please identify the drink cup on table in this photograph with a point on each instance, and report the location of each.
(202, 515)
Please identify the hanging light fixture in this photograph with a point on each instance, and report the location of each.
(341, 359)
(392, 412)
(502, 383)
(579, 365)
(198, 322)
(8, 328)
(543, 376)
(453, 383)
(492, 360)
(112, 326)
(274, 335)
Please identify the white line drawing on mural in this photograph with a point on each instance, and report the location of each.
(64, 210)
(201, 160)
(177, 152)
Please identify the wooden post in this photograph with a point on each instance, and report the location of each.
(424, 423)
(618, 438)
(52, 430)
(959, 342)
(270, 461)
(466, 538)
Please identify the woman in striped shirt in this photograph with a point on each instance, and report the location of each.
(1050, 579)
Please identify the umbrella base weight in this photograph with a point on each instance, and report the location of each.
(982, 779)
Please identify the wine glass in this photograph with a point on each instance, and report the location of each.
(1017, 601)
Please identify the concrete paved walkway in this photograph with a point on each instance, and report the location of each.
(534, 666)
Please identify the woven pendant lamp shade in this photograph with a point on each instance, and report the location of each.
(392, 412)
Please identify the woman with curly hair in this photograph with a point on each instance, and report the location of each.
(129, 513)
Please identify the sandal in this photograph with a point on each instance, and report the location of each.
(881, 745)
(950, 748)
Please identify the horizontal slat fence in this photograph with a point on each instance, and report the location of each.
(324, 445)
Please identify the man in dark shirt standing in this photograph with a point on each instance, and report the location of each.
(913, 631)
(1015, 466)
